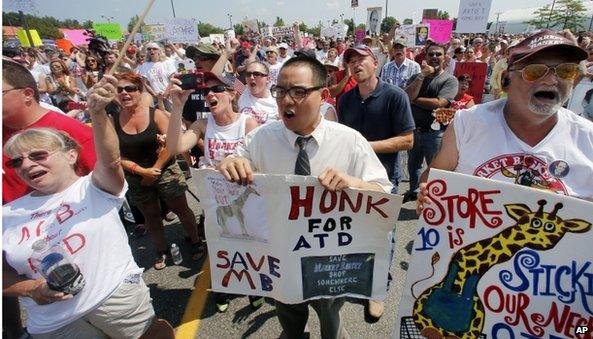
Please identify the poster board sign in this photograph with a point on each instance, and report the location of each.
(478, 71)
(340, 31)
(109, 30)
(473, 16)
(279, 32)
(229, 34)
(328, 32)
(76, 36)
(182, 30)
(218, 38)
(287, 238)
(65, 45)
(581, 101)
(432, 13)
(156, 32)
(24, 40)
(373, 25)
(422, 32)
(498, 260)
(407, 32)
(440, 30)
(250, 26)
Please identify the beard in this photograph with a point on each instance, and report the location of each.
(548, 109)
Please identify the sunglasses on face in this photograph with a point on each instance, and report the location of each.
(294, 92)
(255, 74)
(534, 72)
(215, 89)
(152, 48)
(128, 89)
(434, 54)
(203, 58)
(36, 156)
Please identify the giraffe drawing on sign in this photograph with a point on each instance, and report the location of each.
(234, 209)
(452, 308)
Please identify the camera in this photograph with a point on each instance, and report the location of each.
(191, 80)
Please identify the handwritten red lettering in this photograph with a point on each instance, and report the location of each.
(25, 235)
(297, 202)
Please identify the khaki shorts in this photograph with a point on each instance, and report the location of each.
(171, 184)
(128, 313)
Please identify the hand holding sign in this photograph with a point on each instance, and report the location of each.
(236, 169)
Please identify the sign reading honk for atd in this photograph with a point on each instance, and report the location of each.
(286, 237)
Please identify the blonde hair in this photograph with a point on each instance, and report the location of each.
(162, 56)
(43, 138)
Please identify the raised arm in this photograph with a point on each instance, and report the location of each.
(108, 174)
(177, 140)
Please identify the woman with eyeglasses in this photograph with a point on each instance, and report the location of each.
(90, 76)
(60, 85)
(151, 171)
(221, 132)
(65, 251)
(257, 101)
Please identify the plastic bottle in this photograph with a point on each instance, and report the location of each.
(176, 254)
(56, 266)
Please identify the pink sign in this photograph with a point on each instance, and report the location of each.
(440, 30)
(75, 36)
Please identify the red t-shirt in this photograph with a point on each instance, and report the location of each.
(13, 187)
(349, 85)
(462, 102)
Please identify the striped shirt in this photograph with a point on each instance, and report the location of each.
(399, 76)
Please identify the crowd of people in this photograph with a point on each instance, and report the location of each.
(344, 110)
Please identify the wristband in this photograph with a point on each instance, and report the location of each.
(133, 169)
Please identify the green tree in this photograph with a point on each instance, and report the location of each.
(303, 27)
(87, 24)
(206, 29)
(261, 24)
(239, 30)
(407, 21)
(279, 22)
(443, 15)
(569, 14)
(132, 23)
(361, 26)
(540, 17)
(350, 24)
(387, 24)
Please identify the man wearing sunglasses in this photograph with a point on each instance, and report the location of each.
(527, 136)
(431, 89)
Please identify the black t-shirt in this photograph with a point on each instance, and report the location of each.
(444, 86)
(384, 114)
(195, 106)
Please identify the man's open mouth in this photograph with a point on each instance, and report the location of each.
(289, 114)
(36, 174)
(546, 95)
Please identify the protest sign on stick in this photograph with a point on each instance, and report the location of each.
(581, 101)
(22, 35)
(286, 237)
(156, 32)
(473, 16)
(373, 26)
(498, 260)
(76, 36)
(440, 30)
(478, 72)
(182, 30)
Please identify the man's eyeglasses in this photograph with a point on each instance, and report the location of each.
(128, 89)
(534, 72)
(434, 54)
(255, 74)
(215, 89)
(12, 89)
(36, 156)
(294, 92)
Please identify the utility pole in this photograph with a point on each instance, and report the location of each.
(230, 19)
(550, 16)
(26, 27)
(342, 18)
(386, 4)
(497, 16)
(173, 8)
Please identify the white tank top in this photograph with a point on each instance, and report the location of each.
(562, 162)
(221, 141)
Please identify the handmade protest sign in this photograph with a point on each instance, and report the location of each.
(24, 40)
(156, 32)
(109, 30)
(76, 36)
(373, 26)
(581, 101)
(182, 30)
(250, 26)
(440, 30)
(473, 16)
(287, 238)
(498, 260)
(478, 72)
(279, 32)
(407, 32)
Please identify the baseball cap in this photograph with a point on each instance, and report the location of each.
(400, 41)
(272, 49)
(545, 40)
(306, 52)
(131, 49)
(201, 49)
(330, 66)
(212, 76)
(358, 49)
(283, 45)
(245, 44)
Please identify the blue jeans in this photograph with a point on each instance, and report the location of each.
(426, 146)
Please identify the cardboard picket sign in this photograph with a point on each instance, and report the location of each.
(440, 30)
(110, 30)
(478, 71)
(65, 45)
(76, 36)
(156, 32)
(24, 40)
(473, 16)
(182, 30)
(493, 259)
(287, 238)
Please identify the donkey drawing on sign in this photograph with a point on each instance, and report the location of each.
(234, 209)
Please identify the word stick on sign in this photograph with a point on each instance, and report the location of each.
(182, 30)
(473, 16)
(109, 30)
(497, 260)
(478, 72)
(288, 238)
(24, 39)
(440, 30)
(279, 32)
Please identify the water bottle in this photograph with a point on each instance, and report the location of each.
(176, 254)
(56, 266)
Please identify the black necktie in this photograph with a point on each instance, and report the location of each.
(302, 167)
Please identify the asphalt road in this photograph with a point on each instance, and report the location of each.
(180, 292)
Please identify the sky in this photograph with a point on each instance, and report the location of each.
(217, 12)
